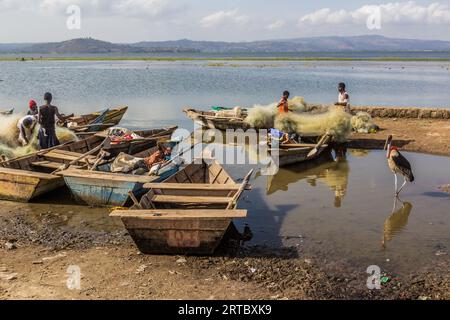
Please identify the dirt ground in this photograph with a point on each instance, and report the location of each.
(35, 259)
(418, 135)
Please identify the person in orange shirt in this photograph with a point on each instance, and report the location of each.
(283, 106)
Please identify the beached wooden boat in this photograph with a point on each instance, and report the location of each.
(107, 189)
(7, 112)
(288, 154)
(209, 120)
(189, 213)
(97, 121)
(25, 178)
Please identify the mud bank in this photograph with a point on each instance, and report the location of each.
(430, 136)
(34, 265)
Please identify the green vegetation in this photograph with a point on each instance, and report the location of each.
(265, 59)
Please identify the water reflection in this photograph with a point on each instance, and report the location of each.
(397, 222)
(334, 173)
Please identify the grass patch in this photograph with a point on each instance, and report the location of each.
(264, 59)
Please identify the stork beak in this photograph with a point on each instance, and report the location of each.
(388, 141)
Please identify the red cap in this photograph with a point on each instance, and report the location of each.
(32, 103)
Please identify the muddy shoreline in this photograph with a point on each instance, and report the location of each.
(35, 267)
(431, 136)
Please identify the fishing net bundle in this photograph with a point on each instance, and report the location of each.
(362, 122)
(335, 121)
(10, 146)
(305, 119)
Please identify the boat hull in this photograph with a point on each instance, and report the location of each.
(182, 237)
(20, 186)
(104, 189)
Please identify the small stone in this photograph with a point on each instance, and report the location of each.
(440, 253)
(308, 261)
(10, 246)
(181, 261)
(141, 268)
(8, 276)
(423, 298)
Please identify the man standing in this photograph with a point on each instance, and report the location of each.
(33, 108)
(26, 128)
(343, 97)
(46, 116)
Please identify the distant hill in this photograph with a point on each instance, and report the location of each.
(314, 44)
(82, 46)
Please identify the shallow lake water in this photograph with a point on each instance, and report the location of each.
(157, 91)
(345, 209)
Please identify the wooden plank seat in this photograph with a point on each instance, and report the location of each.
(158, 214)
(67, 156)
(50, 165)
(192, 186)
(189, 199)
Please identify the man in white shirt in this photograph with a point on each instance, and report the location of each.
(26, 127)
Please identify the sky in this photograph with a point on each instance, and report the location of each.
(126, 21)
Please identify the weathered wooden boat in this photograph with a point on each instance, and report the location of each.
(97, 121)
(7, 112)
(189, 213)
(288, 154)
(25, 178)
(102, 188)
(208, 119)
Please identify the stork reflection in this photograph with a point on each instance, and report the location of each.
(397, 222)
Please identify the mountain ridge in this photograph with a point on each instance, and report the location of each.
(295, 45)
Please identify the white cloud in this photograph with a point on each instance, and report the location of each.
(222, 18)
(278, 24)
(131, 8)
(391, 13)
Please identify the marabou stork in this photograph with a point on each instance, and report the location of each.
(398, 165)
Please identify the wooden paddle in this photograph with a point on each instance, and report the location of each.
(81, 157)
(325, 138)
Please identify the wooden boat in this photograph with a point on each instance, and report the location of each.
(189, 213)
(288, 154)
(209, 120)
(106, 189)
(25, 178)
(97, 121)
(7, 112)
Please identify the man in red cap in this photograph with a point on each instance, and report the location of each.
(33, 108)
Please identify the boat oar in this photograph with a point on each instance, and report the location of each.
(238, 194)
(319, 145)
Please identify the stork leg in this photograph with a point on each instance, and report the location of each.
(396, 184)
(404, 184)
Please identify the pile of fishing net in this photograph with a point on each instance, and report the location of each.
(305, 119)
(9, 134)
(362, 122)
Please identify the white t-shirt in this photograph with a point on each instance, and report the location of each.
(22, 120)
(344, 98)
